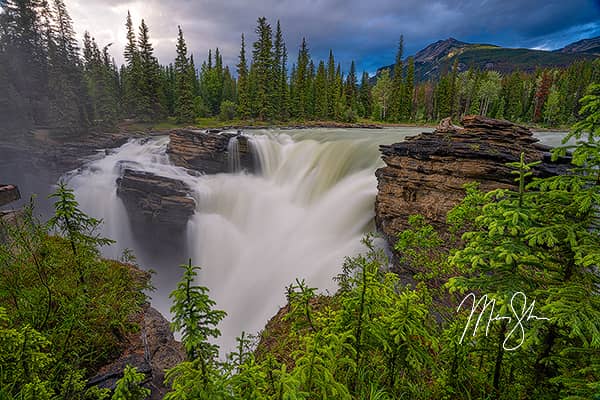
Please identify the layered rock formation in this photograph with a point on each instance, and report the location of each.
(152, 351)
(426, 173)
(152, 199)
(208, 151)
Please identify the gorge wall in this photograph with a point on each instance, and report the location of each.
(426, 173)
(208, 151)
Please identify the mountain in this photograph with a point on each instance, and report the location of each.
(441, 55)
(589, 46)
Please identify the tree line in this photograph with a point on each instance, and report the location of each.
(49, 82)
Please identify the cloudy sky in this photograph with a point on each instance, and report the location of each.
(364, 30)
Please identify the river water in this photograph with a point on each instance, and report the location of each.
(253, 235)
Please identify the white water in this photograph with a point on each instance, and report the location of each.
(253, 235)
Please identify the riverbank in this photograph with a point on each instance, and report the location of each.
(215, 123)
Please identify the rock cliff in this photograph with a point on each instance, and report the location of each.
(207, 151)
(152, 199)
(151, 351)
(425, 174)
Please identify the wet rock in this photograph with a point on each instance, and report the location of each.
(426, 173)
(8, 194)
(155, 200)
(207, 151)
(151, 351)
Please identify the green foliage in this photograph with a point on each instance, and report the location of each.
(228, 110)
(382, 92)
(184, 79)
(54, 326)
(195, 318)
(79, 229)
(129, 386)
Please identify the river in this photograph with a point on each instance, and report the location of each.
(253, 235)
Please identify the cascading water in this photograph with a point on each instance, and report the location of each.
(233, 148)
(254, 234)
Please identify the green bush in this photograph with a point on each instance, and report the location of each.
(228, 110)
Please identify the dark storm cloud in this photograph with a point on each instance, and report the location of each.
(364, 30)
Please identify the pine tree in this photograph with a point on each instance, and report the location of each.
(229, 89)
(278, 71)
(443, 98)
(351, 89)
(331, 86)
(244, 110)
(262, 61)
(283, 87)
(302, 83)
(65, 76)
(184, 96)
(397, 101)
(544, 83)
(132, 73)
(365, 98)
(102, 88)
(338, 92)
(195, 318)
(24, 62)
(150, 106)
(409, 88)
(321, 93)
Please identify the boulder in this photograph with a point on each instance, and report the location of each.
(8, 194)
(426, 173)
(152, 199)
(207, 151)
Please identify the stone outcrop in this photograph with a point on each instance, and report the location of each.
(425, 174)
(8, 194)
(152, 199)
(207, 151)
(151, 351)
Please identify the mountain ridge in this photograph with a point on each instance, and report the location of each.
(439, 56)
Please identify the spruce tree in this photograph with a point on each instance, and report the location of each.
(24, 64)
(262, 61)
(351, 88)
(302, 83)
(283, 86)
(229, 89)
(184, 97)
(243, 84)
(409, 88)
(150, 106)
(331, 86)
(132, 73)
(102, 88)
(338, 90)
(66, 85)
(321, 93)
(397, 101)
(365, 98)
(278, 71)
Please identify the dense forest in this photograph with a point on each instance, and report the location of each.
(48, 81)
(534, 250)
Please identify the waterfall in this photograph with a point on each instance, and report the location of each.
(254, 234)
(233, 152)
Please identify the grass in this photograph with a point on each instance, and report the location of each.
(216, 123)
